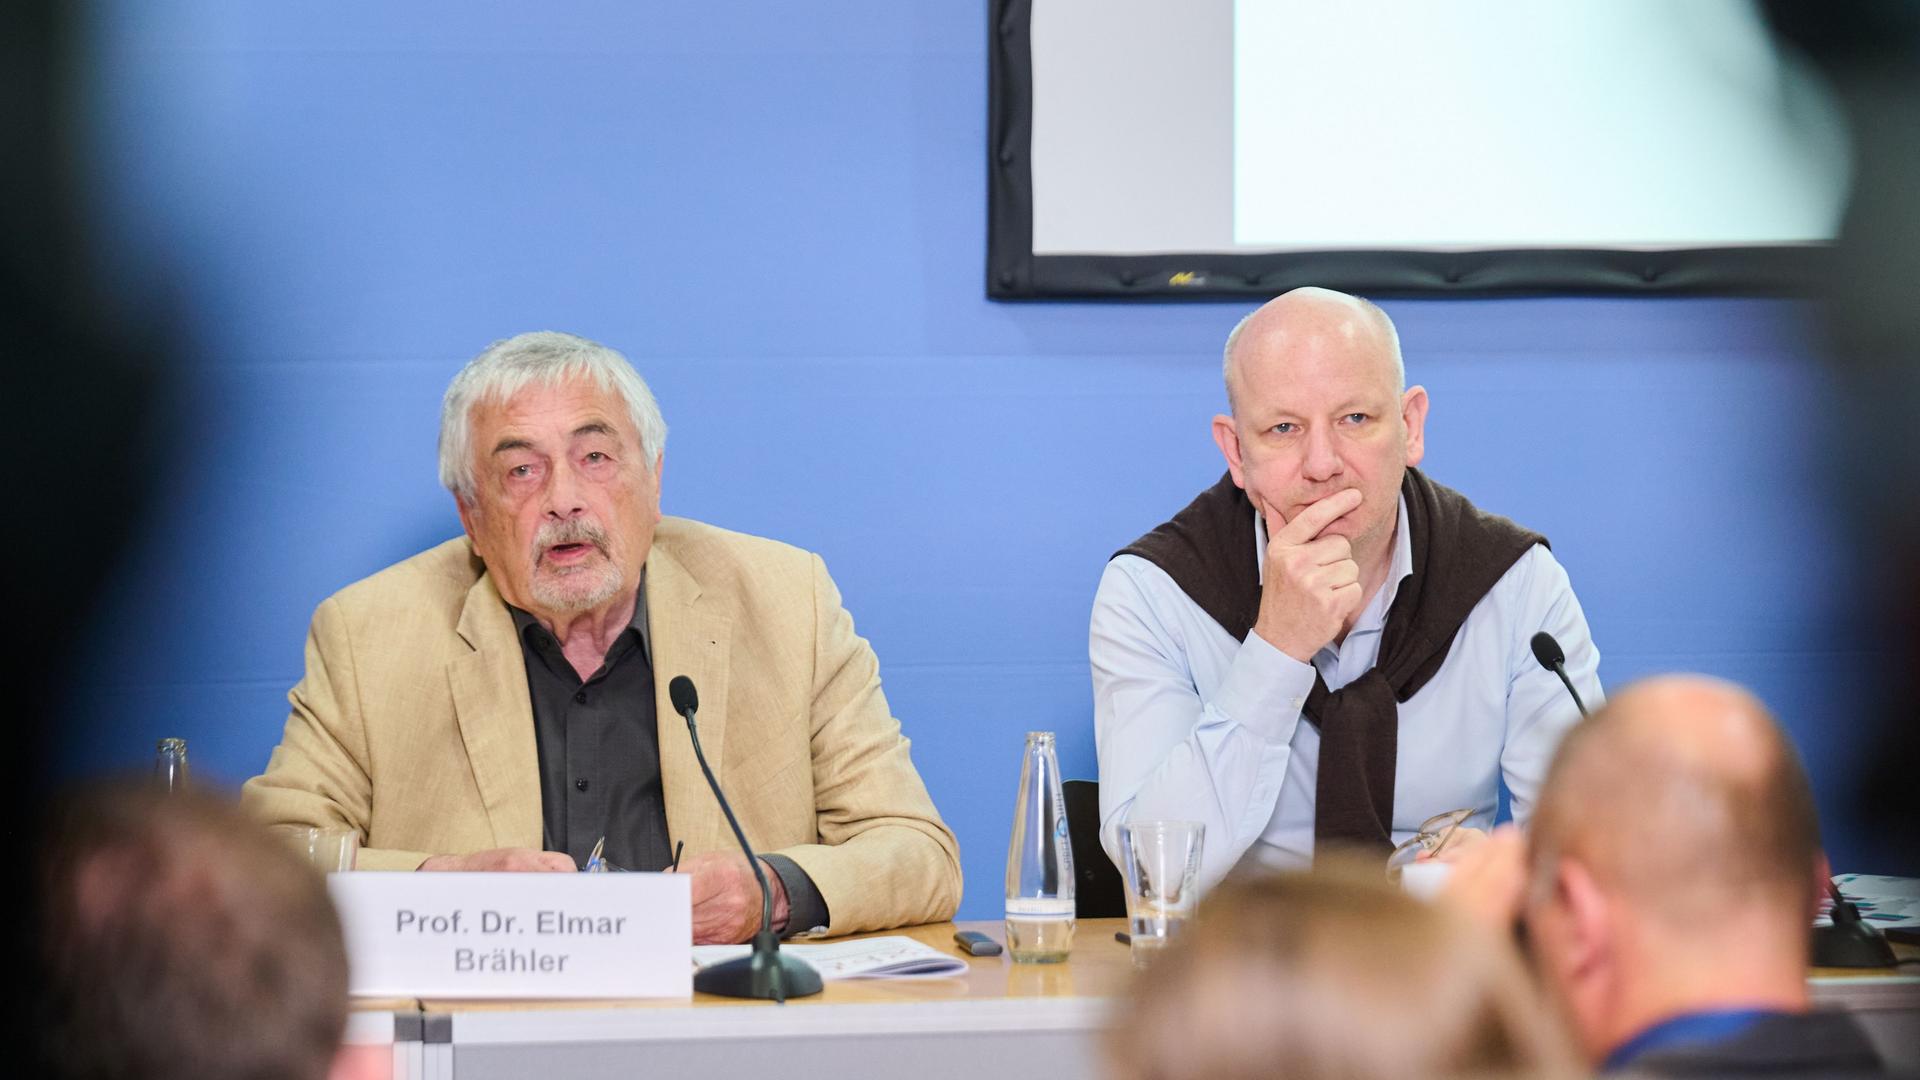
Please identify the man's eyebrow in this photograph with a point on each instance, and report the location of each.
(596, 427)
(511, 443)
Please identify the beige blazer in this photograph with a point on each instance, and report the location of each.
(413, 724)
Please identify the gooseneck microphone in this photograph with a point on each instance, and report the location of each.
(1548, 652)
(766, 972)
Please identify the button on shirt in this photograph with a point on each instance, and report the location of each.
(599, 747)
(1194, 725)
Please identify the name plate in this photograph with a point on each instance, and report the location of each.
(516, 935)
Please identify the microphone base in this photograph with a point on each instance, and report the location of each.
(1851, 945)
(766, 974)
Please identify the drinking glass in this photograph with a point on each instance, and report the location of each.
(1161, 862)
(328, 849)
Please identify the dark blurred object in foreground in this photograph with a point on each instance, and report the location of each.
(80, 380)
(82, 389)
(1870, 52)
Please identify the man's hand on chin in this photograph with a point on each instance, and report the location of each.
(726, 898)
(1312, 588)
(521, 859)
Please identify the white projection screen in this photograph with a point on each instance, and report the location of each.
(1160, 148)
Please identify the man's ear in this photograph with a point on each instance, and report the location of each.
(1413, 413)
(1227, 437)
(467, 514)
(1589, 929)
(1822, 881)
(659, 473)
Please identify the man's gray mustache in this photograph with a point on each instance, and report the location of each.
(569, 532)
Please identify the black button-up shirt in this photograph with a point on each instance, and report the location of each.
(599, 750)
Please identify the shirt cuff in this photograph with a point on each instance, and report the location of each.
(806, 908)
(1264, 690)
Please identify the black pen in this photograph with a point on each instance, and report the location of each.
(1123, 937)
(677, 848)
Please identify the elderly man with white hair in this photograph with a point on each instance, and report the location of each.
(1327, 647)
(499, 702)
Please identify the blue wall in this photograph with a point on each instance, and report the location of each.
(777, 211)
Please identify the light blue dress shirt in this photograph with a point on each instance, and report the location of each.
(1193, 725)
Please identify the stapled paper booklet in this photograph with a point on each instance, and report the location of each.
(867, 958)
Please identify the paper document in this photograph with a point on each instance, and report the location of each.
(1883, 901)
(867, 958)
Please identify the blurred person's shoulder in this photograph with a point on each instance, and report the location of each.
(1820, 1043)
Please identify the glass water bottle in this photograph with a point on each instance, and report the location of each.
(170, 764)
(1040, 861)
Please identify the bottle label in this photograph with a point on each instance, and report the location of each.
(1039, 907)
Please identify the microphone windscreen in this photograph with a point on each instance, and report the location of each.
(686, 699)
(1547, 651)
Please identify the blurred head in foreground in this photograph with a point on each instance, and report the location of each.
(1674, 862)
(178, 938)
(1325, 975)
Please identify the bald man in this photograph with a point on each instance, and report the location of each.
(1326, 647)
(1667, 885)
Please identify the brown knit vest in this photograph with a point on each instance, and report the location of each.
(1459, 552)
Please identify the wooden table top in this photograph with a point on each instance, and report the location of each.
(1099, 967)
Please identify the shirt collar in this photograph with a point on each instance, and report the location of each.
(522, 619)
(1706, 1027)
(1399, 569)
